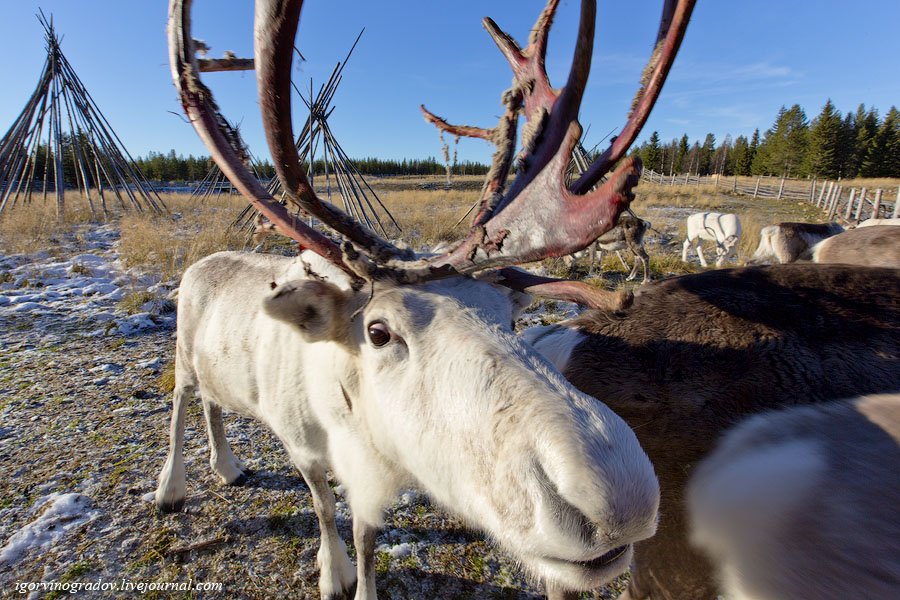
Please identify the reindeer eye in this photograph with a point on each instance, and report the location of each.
(379, 334)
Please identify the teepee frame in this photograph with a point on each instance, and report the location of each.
(62, 129)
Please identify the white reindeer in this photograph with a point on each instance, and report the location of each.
(805, 503)
(722, 229)
(394, 371)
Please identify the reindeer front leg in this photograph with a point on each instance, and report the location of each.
(335, 568)
(364, 540)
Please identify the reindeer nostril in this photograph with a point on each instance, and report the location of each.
(568, 516)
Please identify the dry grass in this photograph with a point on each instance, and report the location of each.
(429, 216)
(33, 227)
(171, 243)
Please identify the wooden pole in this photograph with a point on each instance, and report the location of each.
(876, 206)
(756, 189)
(849, 210)
(822, 194)
(780, 189)
(812, 190)
(835, 200)
(896, 212)
(862, 200)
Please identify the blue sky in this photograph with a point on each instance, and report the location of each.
(739, 63)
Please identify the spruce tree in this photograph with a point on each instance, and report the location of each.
(878, 159)
(740, 156)
(705, 160)
(783, 149)
(847, 153)
(823, 156)
(866, 127)
(680, 158)
(651, 154)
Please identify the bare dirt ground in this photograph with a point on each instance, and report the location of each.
(84, 430)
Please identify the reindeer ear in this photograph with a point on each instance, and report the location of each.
(316, 308)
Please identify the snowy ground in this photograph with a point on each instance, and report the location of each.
(83, 432)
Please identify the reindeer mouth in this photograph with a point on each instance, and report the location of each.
(605, 559)
(589, 573)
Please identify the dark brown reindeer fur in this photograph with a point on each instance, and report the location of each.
(696, 354)
(877, 246)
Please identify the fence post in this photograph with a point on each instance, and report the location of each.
(835, 200)
(859, 207)
(876, 206)
(822, 195)
(734, 185)
(896, 211)
(849, 210)
(780, 189)
(756, 189)
(812, 190)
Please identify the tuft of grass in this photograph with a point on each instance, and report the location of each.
(166, 380)
(81, 269)
(132, 303)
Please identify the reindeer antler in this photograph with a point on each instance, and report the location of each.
(203, 113)
(504, 230)
(537, 217)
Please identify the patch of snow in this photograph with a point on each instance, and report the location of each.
(399, 551)
(64, 513)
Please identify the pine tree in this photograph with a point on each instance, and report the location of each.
(823, 156)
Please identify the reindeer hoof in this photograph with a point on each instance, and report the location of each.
(347, 594)
(170, 507)
(242, 478)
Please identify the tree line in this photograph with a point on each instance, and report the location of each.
(176, 167)
(858, 144)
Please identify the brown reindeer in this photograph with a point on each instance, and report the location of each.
(696, 354)
(628, 234)
(786, 242)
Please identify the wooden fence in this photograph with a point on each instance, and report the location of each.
(836, 200)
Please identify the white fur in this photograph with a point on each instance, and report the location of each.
(873, 222)
(803, 503)
(556, 342)
(722, 229)
(455, 404)
(737, 509)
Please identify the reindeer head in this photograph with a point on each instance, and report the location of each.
(570, 525)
